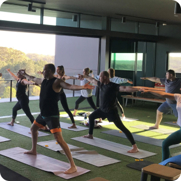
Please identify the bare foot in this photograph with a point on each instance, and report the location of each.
(88, 136)
(71, 170)
(11, 123)
(72, 127)
(31, 152)
(153, 127)
(134, 150)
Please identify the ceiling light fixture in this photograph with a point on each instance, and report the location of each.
(157, 24)
(30, 7)
(177, 9)
(74, 18)
(123, 19)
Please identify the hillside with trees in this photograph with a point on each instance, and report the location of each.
(15, 60)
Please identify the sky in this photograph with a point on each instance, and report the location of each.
(28, 42)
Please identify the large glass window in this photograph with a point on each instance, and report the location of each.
(174, 61)
(19, 14)
(58, 18)
(145, 28)
(126, 61)
(128, 26)
(91, 22)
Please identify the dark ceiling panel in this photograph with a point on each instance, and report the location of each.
(161, 10)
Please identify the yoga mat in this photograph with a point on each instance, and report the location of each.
(81, 154)
(104, 123)
(42, 162)
(20, 129)
(138, 165)
(172, 123)
(115, 147)
(3, 139)
(160, 130)
(139, 138)
(10, 175)
(76, 118)
(66, 125)
(128, 119)
(98, 179)
(19, 115)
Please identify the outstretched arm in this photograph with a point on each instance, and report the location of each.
(34, 79)
(152, 79)
(161, 94)
(150, 88)
(13, 75)
(59, 83)
(128, 89)
(26, 82)
(66, 77)
(92, 80)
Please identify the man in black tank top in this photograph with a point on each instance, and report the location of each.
(49, 97)
(108, 105)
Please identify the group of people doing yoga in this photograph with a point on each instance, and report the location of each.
(52, 91)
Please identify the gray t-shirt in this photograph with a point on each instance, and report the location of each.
(171, 87)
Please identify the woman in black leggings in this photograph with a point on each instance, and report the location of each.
(63, 99)
(23, 99)
(85, 94)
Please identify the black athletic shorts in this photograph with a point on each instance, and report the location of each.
(52, 122)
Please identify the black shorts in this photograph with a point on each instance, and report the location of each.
(52, 122)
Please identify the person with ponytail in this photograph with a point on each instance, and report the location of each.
(85, 94)
(62, 96)
(23, 99)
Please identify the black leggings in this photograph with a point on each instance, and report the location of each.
(112, 116)
(23, 104)
(81, 99)
(63, 101)
(120, 108)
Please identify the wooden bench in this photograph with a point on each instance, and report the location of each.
(158, 172)
(140, 99)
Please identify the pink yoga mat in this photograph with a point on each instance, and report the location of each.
(42, 162)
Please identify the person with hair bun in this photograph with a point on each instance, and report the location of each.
(85, 94)
(62, 96)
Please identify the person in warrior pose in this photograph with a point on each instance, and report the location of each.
(23, 99)
(49, 97)
(62, 97)
(85, 94)
(116, 80)
(172, 85)
(175, 137)
(108, 108)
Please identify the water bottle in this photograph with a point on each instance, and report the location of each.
(85, 119)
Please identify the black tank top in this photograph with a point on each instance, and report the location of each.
(20, 89)
(61, 91)
(48, 99)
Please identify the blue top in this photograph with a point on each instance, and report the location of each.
(171, 87)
